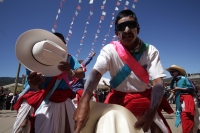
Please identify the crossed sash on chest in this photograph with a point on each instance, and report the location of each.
(130, 64)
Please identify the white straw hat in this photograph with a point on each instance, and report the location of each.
(177, 68)
(41, 51)
(110, 118)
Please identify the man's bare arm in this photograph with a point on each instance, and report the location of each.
(81, 114)
(157, 93)
(156, 98)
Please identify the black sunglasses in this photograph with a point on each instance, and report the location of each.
(131, 24)
(173, 71)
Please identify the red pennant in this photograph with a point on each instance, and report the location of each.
(79, 7)
(118, 3)
(102, 17)
(60, 4)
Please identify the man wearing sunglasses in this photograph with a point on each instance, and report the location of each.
(186, 111)
(131, 64)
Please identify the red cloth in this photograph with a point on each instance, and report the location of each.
(80, 93)
(61, 95)
(187, 115)
(137, 103)
(34, 98)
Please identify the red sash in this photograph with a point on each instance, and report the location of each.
(128, 59)
(139, 102)
(34, 98)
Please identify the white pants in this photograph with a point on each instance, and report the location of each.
(51, 117)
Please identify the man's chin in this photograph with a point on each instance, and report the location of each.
(127, 42)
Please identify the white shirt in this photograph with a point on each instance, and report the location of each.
(109, 60)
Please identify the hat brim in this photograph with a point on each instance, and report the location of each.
(23, 50)
(99, 109)
(181, 70)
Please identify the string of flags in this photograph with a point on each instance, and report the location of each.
(85, 29)
(58, 13)
(73, 19)
(99, 25)
(111, 23)
(102, 18)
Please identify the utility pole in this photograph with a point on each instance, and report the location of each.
(16, 82)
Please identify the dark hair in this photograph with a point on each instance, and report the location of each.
(60, 35)
(125, 13)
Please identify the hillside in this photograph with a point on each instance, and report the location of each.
(8, 80)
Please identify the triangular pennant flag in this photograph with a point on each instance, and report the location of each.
(126, 3)
(116, 8)
(133, 6)
(104, 2)
(76, 13)
(103, 13)
(53, 30)
(56, 17)
(59, 11)
(70, 31)
(102, 7)
(60, 4)
(79, 1)
(91, 13)
(79, 7)
(102, 17)
(91, 1)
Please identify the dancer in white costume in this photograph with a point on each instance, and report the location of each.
(45, 103)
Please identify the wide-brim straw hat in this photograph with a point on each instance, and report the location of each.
(178, 68)
(41, 51)
(110, 118)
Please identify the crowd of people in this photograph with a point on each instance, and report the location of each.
(46, 103)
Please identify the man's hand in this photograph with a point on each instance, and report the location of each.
(81, 115)
(35, 79)
(145, 121)
(65, 67)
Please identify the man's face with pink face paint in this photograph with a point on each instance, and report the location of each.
(127, 31)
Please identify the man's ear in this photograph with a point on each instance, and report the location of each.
(138, 30)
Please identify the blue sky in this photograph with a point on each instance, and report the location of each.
(172, 26)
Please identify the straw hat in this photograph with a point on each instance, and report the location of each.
(178, 68)
(110, 118)
(41, 51)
